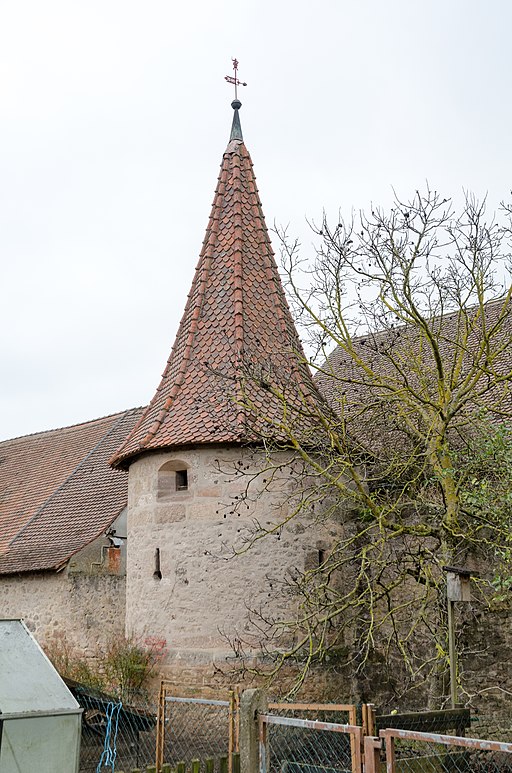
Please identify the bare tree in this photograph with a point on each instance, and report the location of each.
(407, 316)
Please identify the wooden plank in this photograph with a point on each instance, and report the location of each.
(312, 706)
(447, 740)
(372, 747)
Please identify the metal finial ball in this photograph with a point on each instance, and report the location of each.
(236, 104)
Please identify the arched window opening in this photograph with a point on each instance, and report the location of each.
(173, 478)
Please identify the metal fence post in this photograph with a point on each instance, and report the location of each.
(252, 703)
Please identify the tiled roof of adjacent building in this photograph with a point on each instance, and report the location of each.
(57, 492)
(401, 356)
(235, 335)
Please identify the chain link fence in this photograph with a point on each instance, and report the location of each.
(130, 731)
(293, 745)
(409, 752)
(197, 729)
(412, 742)
(486, 715)
(187, 729)
(300, 738)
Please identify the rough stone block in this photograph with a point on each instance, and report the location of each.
(208, 491)
(170, 513)
(205, 510)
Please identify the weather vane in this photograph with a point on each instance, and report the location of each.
(234, 80)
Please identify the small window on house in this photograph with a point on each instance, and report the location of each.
(172, 478)
(181, 480)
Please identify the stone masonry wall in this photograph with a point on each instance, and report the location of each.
(202, 597)
(87, 610)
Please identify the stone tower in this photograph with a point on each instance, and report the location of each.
(192, 454)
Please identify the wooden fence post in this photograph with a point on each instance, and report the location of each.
(252, 703)
(372, 747)
(160, 728)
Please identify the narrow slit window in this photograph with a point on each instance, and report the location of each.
(157, 574)
(181, 480)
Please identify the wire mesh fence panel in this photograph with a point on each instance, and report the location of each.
(196, 729)
(489, 718)
(292, 745)
(129, 733)
(428, 753)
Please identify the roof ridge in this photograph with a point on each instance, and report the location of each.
(206, 254)
(238, 294)
(72, 426)
(434, 318)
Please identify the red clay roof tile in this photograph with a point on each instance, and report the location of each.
(236, 312)
(57, 492)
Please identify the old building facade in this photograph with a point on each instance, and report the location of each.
(193, 458)
(143, 523)
(156, 544)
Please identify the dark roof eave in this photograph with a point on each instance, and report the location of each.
(123, 462)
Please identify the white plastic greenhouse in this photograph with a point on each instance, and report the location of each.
(40, 720)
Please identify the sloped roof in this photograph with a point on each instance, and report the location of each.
(400, 356)
(57, 492)
(235, 334)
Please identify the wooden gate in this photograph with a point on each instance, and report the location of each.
(322, 716)
(203, 729)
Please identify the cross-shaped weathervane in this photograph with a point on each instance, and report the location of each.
(234, 80)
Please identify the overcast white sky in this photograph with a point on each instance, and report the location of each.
(113, 118)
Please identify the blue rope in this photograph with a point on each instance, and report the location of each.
(108, 756)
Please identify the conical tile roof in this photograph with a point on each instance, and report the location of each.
(236, 334)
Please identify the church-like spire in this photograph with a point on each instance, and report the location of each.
(236, 128)
(236, 334)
